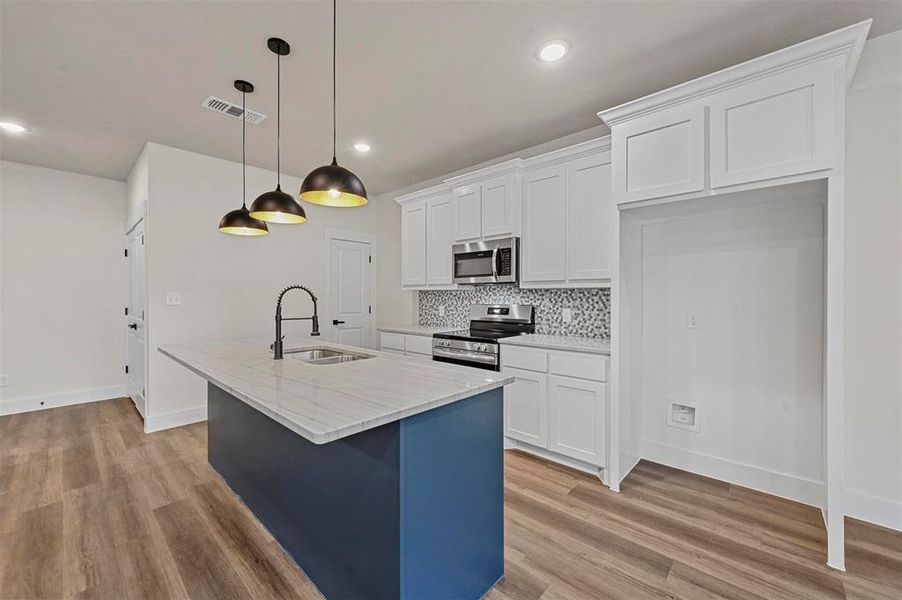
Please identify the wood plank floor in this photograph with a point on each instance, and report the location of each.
(91, 507)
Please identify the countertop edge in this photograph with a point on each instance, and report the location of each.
(527, 342)
(324, 438)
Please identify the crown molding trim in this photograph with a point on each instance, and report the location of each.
(846, 43)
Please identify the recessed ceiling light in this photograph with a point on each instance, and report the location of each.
(9, 127)
(553, 51)
(361, 147)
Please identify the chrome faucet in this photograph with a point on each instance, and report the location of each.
(277, 345)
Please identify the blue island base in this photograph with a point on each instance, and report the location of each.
(413, 509)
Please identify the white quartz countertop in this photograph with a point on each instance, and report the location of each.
(414, 329)
(561, 342)
(324, 403)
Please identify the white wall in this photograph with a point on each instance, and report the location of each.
(229, 283)
(62, 287)
(754, 278)
(873, 302)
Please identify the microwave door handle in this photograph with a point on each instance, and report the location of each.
(495, 263)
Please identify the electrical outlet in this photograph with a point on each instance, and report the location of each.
(692, 321)
(441, 310)
(4, 380)
(566, 315)
(173, 298)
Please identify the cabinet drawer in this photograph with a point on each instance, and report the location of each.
(419, 344)
(524, 358)
(575, 364)
(393, 341)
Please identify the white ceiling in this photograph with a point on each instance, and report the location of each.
(434, 86)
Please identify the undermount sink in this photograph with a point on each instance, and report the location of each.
(324, 356)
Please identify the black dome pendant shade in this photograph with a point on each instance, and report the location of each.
(333, 185)
(277, 206)
(240, 221)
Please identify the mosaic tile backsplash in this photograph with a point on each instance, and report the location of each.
(591, 307)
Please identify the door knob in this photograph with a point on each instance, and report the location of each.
(337, 322)
(132, 325)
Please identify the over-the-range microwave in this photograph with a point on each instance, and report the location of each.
(491, 261)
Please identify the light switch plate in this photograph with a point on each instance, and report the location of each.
(567, 315)
(4, 380)
(441, 310)
(173, 298)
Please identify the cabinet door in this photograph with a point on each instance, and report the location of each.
(526, 407)
(659, 155)
(781, 125)
(544, 246)
(440, 238)
(413, 244)
(467, 213)
(591, 219)
(499, 207)
(577, 418)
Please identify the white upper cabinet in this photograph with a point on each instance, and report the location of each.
(413, 244)
(780, 125)
(486, 203)
(544, 244)
(569, 218)
(500, 210)
(659, 155)
(591, 219)
(765, 122)
(467, 213)
(440, 238)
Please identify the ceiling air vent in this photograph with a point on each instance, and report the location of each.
(233, 110)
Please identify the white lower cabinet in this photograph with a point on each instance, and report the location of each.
(406, 344)
(577, 418)
(526, 407)
(557, 403)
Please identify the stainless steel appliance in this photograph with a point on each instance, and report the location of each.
(478, 346)
(492, 261)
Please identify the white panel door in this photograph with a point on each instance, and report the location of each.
(544, 246)
(440, 238)
(591, 218)
(413, 245)
(467, 213)
(135, 331)
(660, 155)
(350, 303)
(577, 418)
(526, 407)
(781, 125)
(499, 207)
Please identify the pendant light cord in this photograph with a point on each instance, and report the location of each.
(278, 121)
(334, 28)
(243, 151)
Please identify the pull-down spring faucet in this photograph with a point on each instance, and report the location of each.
(277, 345)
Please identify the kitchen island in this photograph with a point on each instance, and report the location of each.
(382, 476)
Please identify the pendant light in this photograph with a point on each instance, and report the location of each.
(277, 206)
(333, 185)
(240, 221)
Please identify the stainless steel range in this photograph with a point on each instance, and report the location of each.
(478, 346)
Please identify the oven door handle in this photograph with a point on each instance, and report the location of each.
(495, 263)
(486, 359)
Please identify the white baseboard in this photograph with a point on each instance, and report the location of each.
(178, 418)
(41, 402)
(879, 511)
(784, 485)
